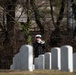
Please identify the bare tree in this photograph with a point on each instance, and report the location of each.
(55, 36)
(37, 16)
(70, 16)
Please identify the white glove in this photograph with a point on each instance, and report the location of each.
(42, 42)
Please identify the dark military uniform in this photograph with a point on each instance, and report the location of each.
(39, 48)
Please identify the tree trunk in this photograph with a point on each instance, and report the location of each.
(69, 16)
(10, 42)
(11, 24)
(55, 37)
(37, 16)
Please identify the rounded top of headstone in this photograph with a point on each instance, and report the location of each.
(47, 53)
(66, 46)
(25, 47)
(41, 55)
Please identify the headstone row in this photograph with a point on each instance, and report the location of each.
(24, 59)
(58, 59)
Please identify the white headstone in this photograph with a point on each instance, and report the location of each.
(48, 60)
(33, 67)
(16, 62)
(11, 67)
(55, 58)
(36, 63)
(67, 58)
(41, 62)
(24, 59)
(74, 61)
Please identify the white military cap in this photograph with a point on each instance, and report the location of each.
(38, 35)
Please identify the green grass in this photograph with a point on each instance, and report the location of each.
(36, 72)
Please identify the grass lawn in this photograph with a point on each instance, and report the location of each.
(36, 72)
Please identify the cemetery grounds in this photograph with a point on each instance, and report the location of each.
(35, 72)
